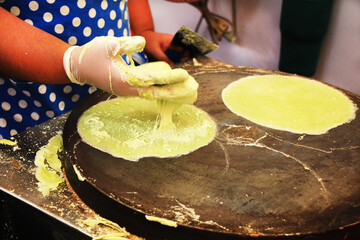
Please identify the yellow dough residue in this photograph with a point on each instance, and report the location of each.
(48, 165)
(170, 90)
(162, 221)
(289, 103)
(8, 142)
(129, 128)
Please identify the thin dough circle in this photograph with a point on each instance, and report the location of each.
(289, 103)
(128, 128)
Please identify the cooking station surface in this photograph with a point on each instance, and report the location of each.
(306, 187)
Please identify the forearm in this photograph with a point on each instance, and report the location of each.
(28, 53)
(140, 16)
(142, 24)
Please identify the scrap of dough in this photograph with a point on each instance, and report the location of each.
(162, 221)
(8, 142)
(48, 165)
(289, 103)
(128, 128)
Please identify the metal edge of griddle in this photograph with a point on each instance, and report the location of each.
(50, 216)
(23, 193)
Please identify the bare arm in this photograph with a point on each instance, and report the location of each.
(140, 16)
(142, 24)
(28, 53)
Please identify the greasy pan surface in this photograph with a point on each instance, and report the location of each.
(250, 181)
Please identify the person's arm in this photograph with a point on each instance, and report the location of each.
(28, 53)
(142, 24)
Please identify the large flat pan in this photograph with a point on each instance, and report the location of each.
(250, 181)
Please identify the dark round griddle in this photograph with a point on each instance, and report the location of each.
(251, 181)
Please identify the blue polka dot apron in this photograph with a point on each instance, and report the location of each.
(24, 104)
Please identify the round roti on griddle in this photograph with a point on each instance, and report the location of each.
(294, 104)
(128, 128)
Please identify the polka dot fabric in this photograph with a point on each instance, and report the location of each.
(24, 104)
(75, 22)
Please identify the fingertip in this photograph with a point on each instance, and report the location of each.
(181, 74)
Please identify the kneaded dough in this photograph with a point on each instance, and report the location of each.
(289, 103)
(128, 128)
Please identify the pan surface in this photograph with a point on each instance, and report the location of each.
(250, 181)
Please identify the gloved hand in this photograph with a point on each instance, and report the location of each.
(179, 91)
(99, 63)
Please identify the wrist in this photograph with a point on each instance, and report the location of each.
(67, 65)
(145, 33)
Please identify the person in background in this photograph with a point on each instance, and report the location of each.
(303, 25)
(285, 35)
(39, 81)
(257, 33)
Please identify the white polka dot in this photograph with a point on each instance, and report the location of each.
(59, 28)
(104, 5)
(42, 89)
(101, 23)
(64, 10)
(92, 89)
(27, 93)
(125, 32)
(52, 97)
(33, 5)
(75, 97)
(127, 59)
(48, 17)
(5, 106)
(87, 31)
(23, 104)
(37, 103)
(35, 116)
(50, 1)
(11, 91)
(92, 12)
(112, 14)
(50, 114)
(126, 15)
(110, 33)
(14, 83)
(15, 10)
(81, 3)
(61, 105)
(76, 22)
(29, 21)
(122, 5)
(18, 117)
(13, 132)
(119, 24)
(67, 89)
(72, 40)
(2, 81)
(3, 122)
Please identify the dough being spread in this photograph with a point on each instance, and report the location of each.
(129, 128)
(288, 103)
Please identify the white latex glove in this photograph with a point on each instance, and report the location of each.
(99, 63)
(180, 91)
